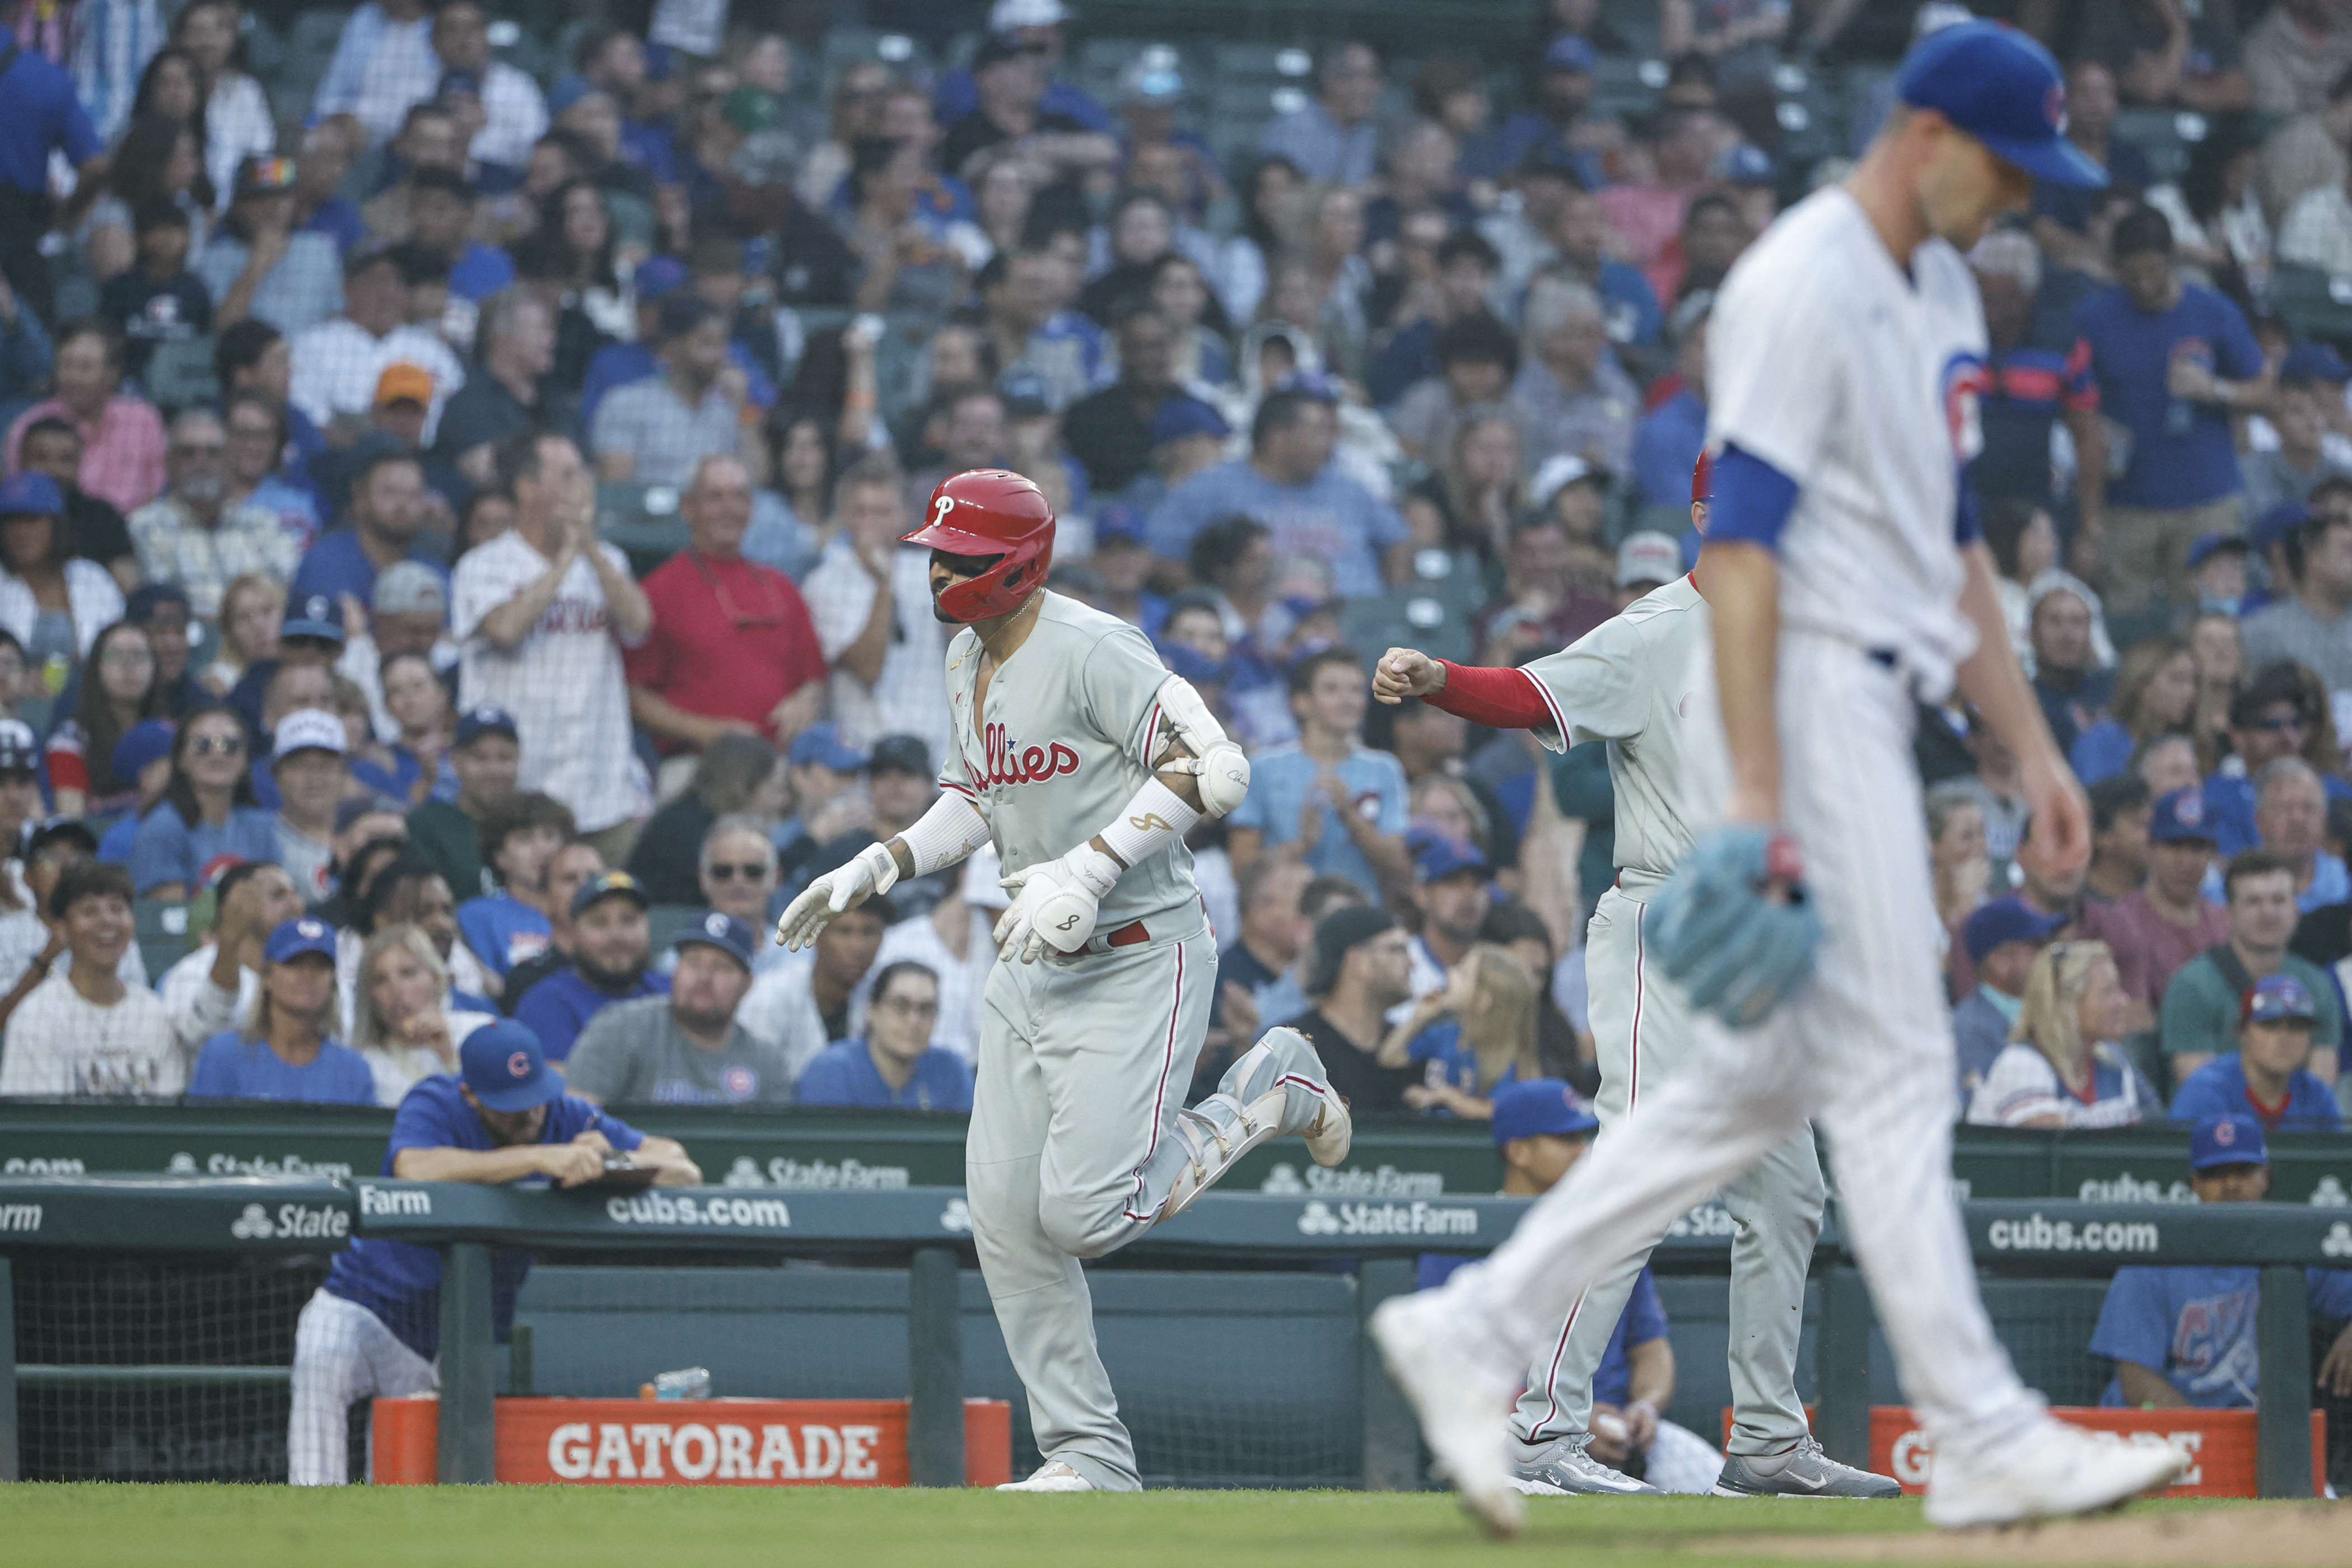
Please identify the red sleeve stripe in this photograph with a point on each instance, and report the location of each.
(1498, 699)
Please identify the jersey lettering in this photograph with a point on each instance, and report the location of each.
(1010, 762)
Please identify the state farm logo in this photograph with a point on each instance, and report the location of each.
(2339, 1241)
(1386, 1220)
(956, 1217)
(1317, 1219)
(292, 1222)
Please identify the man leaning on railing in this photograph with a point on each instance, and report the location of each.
(374, 1327)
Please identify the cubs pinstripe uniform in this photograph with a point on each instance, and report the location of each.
(1627, 684)
(1083, 1060)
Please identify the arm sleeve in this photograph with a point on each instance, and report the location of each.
(1753, 498)
(2134, 1325)
(1498, 699)
(1596, 689)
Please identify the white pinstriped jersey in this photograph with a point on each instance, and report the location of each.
(1859, 384)
(1061, 748)
(1628, 682)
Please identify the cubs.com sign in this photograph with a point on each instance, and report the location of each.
(702, 1442)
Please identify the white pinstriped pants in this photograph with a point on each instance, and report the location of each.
(1084, 1064)
(342, 1353)
(1864, 1048)
(1642, 1033)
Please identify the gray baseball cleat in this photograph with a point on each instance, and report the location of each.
(1809, 1473)
(1276, 1088)
(1565, 1469)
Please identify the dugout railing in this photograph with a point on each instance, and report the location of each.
(928, 1230)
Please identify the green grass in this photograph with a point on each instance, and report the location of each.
(102, 1526)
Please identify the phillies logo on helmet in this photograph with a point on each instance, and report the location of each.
(998, 517)
(1011, 763)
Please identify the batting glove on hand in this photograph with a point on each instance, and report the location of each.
(1054, 904)
(1733, 925)
(873, 870)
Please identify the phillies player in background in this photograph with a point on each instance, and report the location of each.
(1846, 582)
(1085, 763)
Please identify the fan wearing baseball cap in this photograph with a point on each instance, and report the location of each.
(375, 1325)
(1542, 1128)
(685, 1048)
(283, 1052)
(2266, 1077)
(2185, 1336)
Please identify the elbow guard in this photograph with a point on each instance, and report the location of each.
(1222, 768)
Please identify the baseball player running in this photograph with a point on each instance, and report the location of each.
(1086, 766)
(1627, 684)
(1844, 576)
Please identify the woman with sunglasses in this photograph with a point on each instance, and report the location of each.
(208, 810)
(2063, 1067)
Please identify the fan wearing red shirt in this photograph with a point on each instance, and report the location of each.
(732, 650)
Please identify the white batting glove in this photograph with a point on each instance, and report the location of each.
(874, 870)
(1054, 904)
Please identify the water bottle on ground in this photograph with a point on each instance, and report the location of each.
(687, 1383)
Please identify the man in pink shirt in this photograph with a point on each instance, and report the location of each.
(121, 436)
(1649, 213)
(2165, 922)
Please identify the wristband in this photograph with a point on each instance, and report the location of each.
(1156, 817)
(952, 829)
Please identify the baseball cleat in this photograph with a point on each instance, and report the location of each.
(1276, 1088)
(1565, 1469)
(1809, 1473)
(2053, 1470)
(1460, 1400)
(1052, 1476)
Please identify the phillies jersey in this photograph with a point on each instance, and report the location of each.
(1061, 750)
(1628, 682)
(1859, 382)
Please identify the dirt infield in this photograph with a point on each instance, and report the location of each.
(2298, 1535)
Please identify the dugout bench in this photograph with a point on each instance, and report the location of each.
(929, 1230)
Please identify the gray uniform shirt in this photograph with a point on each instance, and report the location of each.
(1627, 681)
(1063, 748)
(633, 1054)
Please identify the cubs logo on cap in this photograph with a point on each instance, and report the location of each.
(714, 928)
(519, 1066)
(502, 1064)
(2227, 1141)
(2179, 816)
(303, 934)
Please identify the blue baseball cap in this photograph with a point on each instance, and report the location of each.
(30, 495)
(316, 616)
(485, 719)
(1540, 1106)
(610, 885)
(2005, 91)
(1442, 857)
(503, 1063)
(2314, 362)
(655, 277)
(2005, 920)
(1025, 394)
(1568, 53)
(303, 934)
(2227, 1141)
(723, 931)
(2278, 999)
(2209, 545)
(147, 742)
(1178, 417)
(822, 743)
(2181, 815)
(2277, 523)
(1120, 521)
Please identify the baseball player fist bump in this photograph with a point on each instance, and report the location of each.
(1732, 925)
(874, 870)
(1054, 903)
(1405, 672)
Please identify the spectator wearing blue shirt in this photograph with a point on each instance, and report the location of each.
(2265, 1076)
(2269, 721)
(381, 526)
(1542, 1128)
(612, 955)
(40, 115)
(1667, 440)
(1335, 137)
(144, 754)
(1467, 266)
(1035, 25)
(1477, 1034)
(895, 1066)
(374, 1327)
(2291, 821)
(1563, 96)
(2174, 363)
(1579, 235)
(285, 1052)
(1290, 483)
(2186, 1336)
(518, 837)
(1326, 799)
(208, 812)
(441, 219)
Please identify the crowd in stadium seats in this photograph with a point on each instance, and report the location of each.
(448, 563)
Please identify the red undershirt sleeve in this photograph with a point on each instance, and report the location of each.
(1498, 699)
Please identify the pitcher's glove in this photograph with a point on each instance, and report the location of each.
(1733, 925)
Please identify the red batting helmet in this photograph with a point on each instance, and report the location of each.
(989, 511)
(1702, 479)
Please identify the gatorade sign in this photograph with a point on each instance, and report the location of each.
(2221, 1440)
(694, 1443)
